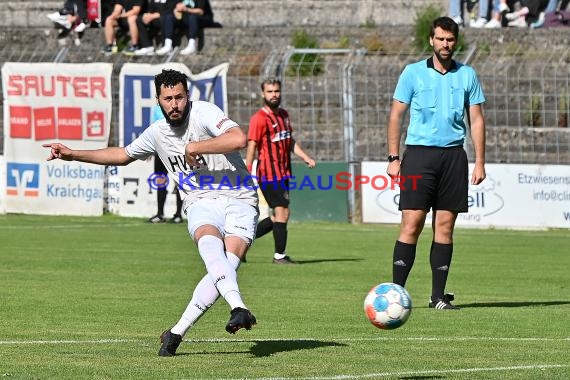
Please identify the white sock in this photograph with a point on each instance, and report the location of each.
(192, 42)
(219, 269)
(234, 260)
(279, 256)
(204, 296)
(168, 42)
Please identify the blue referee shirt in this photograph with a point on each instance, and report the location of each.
(438, 102)
(156, 114)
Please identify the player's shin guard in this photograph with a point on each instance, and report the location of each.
(264, 227)
(280, 236)
(204, 296)
(221, 273)
(403, 261)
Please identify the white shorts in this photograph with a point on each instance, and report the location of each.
(229, 215)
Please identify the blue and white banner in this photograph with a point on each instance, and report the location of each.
(128, 191)
(512, 196)
(137, 93)
(2, 185)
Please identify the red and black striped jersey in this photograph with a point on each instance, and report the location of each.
(274, 137)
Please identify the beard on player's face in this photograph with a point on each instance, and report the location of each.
(273, 102)
(176, 121)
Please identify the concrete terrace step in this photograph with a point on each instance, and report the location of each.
(245, 13)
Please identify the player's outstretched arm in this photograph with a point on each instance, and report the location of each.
(105, 156)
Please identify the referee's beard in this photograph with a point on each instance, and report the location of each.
(177, 122)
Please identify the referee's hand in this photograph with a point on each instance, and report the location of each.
(393, 169)
(478, 174)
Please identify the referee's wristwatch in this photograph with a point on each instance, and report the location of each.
(392, 158)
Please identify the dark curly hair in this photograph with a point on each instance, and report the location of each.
(170, 78)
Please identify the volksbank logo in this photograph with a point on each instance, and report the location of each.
(22, 179)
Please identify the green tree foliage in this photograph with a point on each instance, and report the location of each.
(563, 109)
(305, 64)
(534, 111)
(424, 19)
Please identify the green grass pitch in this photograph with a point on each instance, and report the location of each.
(89, 297)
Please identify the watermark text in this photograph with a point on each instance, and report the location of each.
(339, 181)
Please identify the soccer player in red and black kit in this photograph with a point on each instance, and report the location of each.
(271, 136)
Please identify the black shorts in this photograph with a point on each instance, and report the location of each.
(123, 24)
(442, 182)
(276, 193)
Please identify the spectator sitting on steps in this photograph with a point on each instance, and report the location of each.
(123, 17)
(190, 16)
(70, 18)
(149, 24)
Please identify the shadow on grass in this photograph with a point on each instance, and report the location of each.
(325, 261)
(513, 304)
(311, 261)
(264, 348)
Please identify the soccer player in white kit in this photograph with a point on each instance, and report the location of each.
(199, 145)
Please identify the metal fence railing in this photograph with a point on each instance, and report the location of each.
(339, 99)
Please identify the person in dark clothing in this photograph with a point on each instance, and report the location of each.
(123, 17)
(150, 25)
(190, 16)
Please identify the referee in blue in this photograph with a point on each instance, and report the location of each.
(438, 91)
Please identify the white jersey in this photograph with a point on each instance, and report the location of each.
(216, 175)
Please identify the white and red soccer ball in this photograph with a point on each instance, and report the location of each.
(388, 306)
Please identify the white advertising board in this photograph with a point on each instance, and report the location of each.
(2, 184)
(129, 193)
(49, 102)
(512, 196)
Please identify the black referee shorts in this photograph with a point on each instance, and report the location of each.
(443, 178)
(276, 193)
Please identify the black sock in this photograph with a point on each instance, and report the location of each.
(403, 261)
(178, 204)
(161, 199)
(280, 236)
(264, 227)
(440, 260)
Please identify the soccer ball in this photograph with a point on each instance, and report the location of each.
(388, 306)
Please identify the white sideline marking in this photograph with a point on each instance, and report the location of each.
(229, 340)
(421, 372)
(515, 231)
(69, 226)
(98, 341)
(342, 377)
(431, 339)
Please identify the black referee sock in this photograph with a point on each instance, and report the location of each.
(403, 260)
(263, 227)
(280, 236)
(440, 260)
